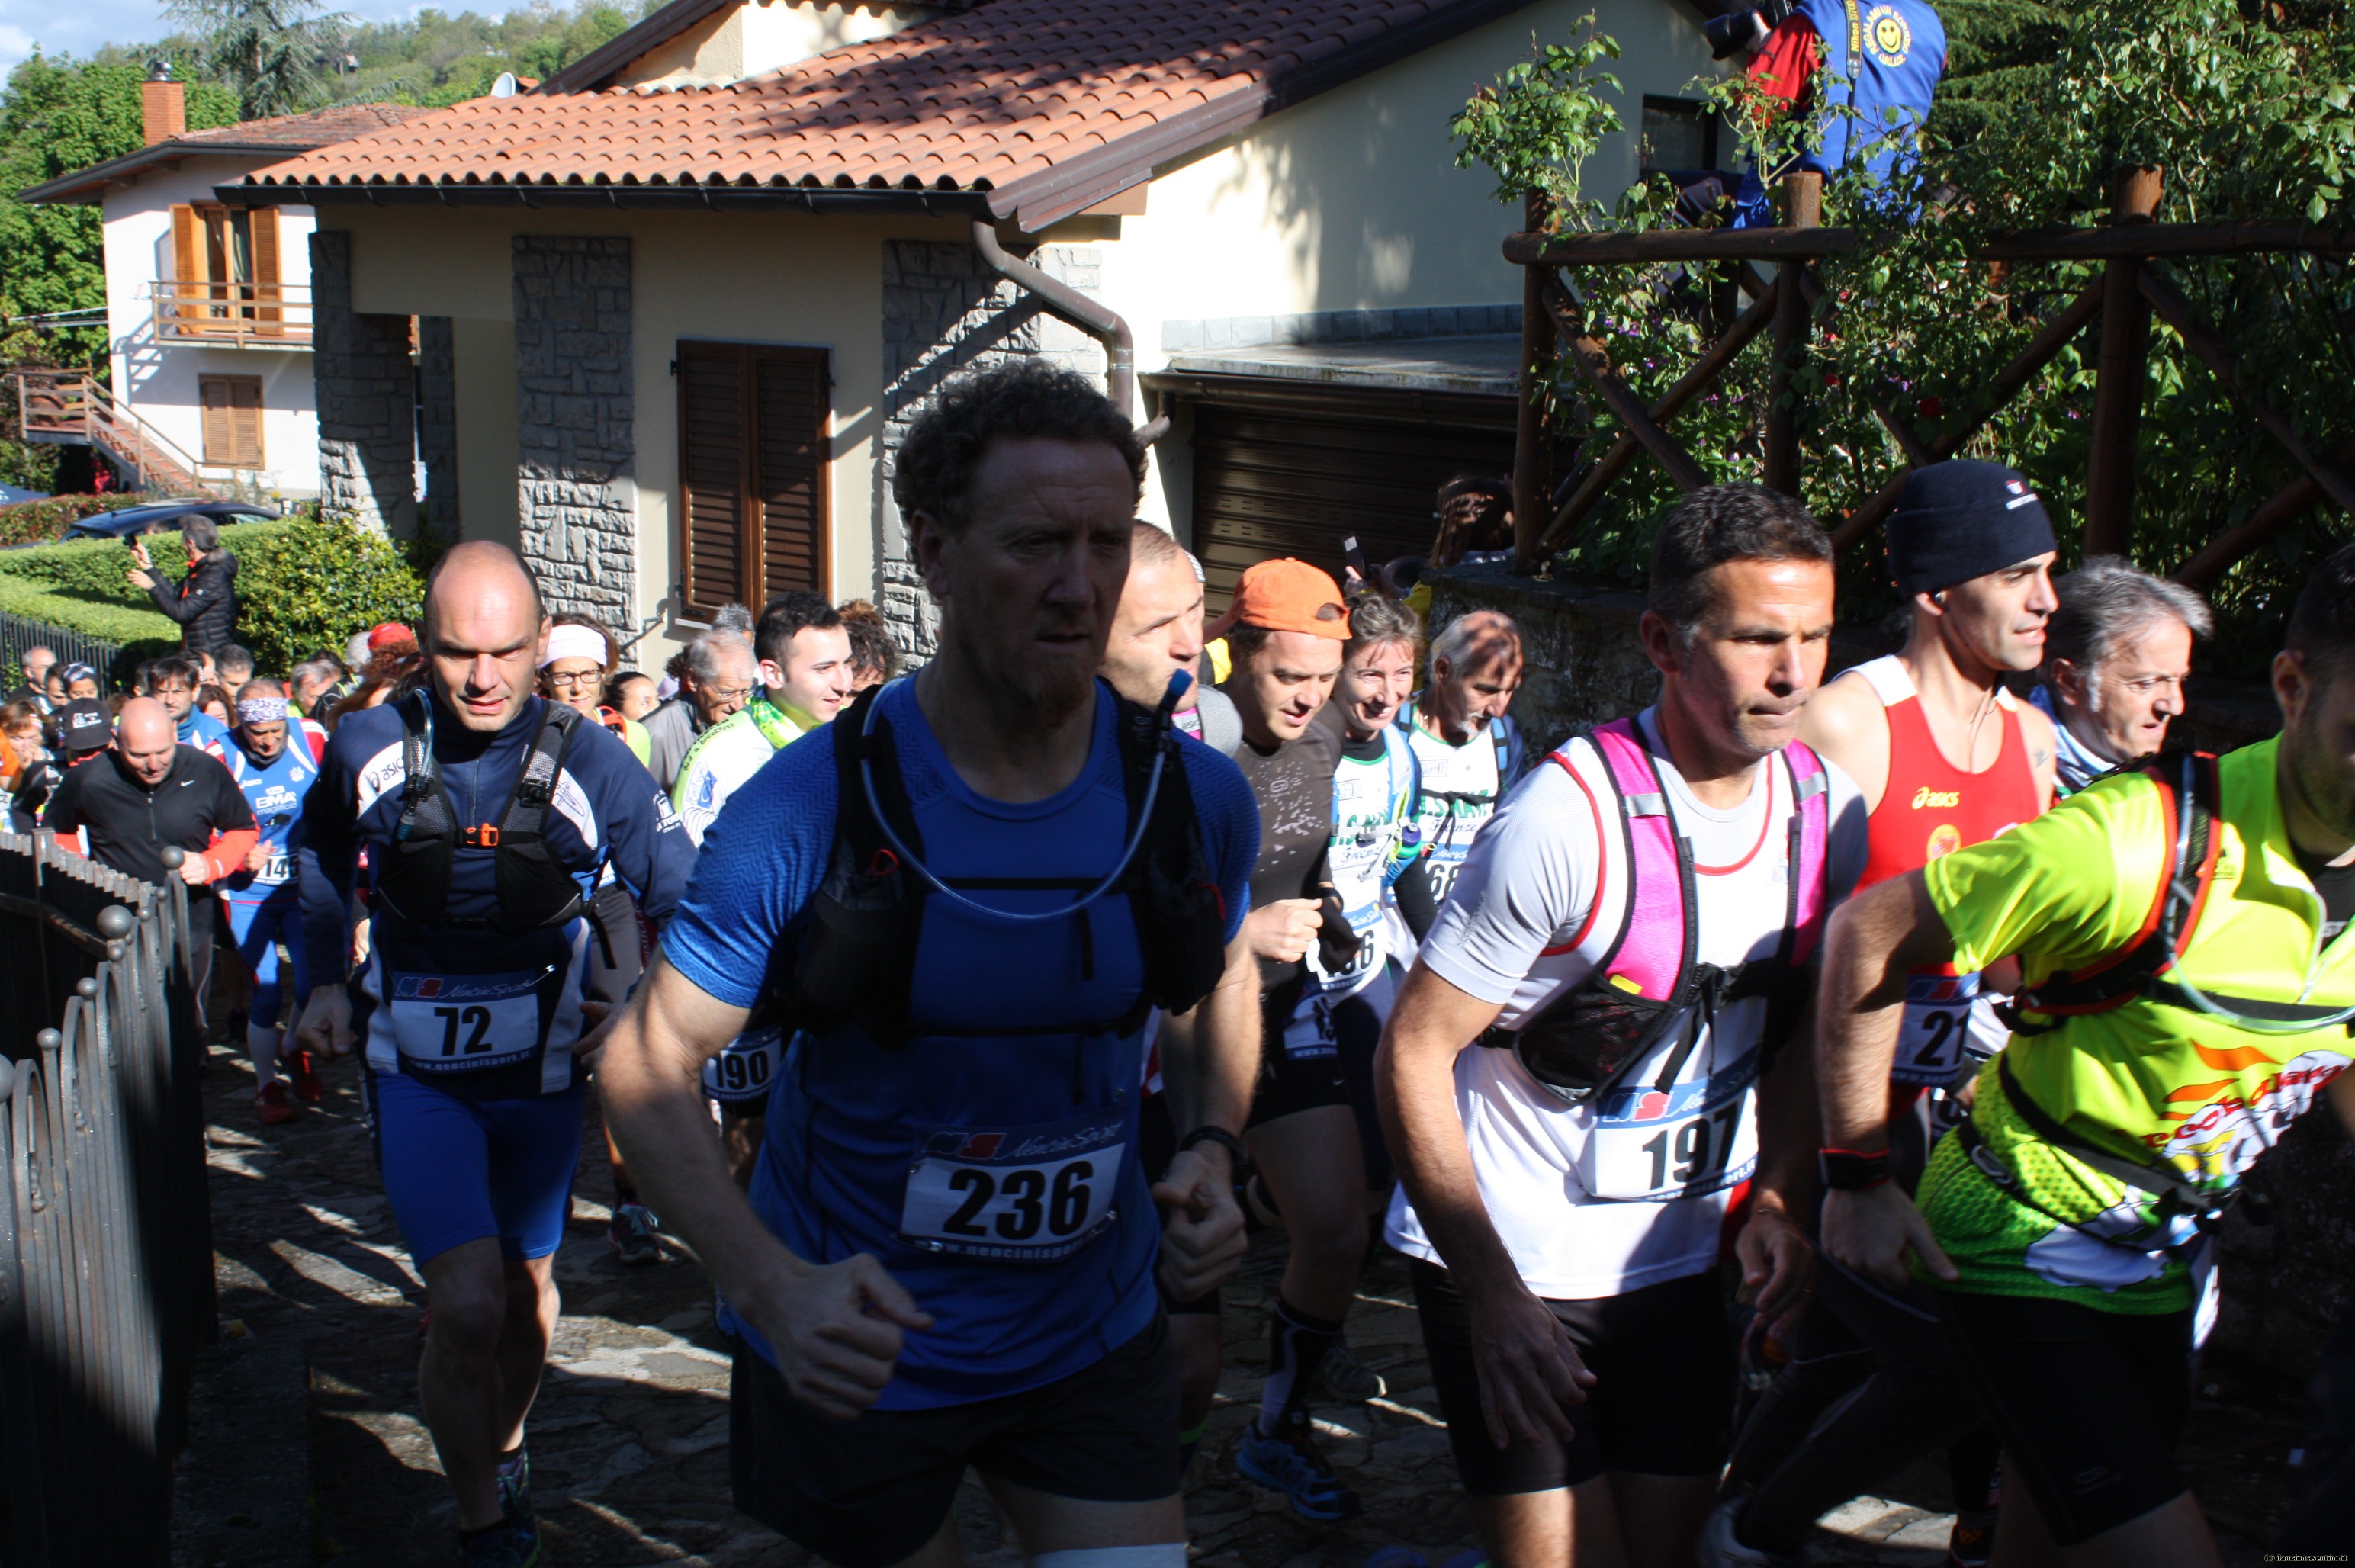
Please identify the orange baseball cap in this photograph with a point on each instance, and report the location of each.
(1287, 595)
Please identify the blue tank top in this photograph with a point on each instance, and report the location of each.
(275, 791)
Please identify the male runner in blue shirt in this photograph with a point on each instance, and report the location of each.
(263, 899)
(968, 915)
(488, 814)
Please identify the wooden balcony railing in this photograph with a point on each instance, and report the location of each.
(231, 315)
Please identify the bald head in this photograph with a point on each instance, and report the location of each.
(484, 627)
(146, 735)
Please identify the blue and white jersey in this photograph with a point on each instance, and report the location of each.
(990, 1163)
(1460, 789)
(1376, 838)
(485, 1014)
(275, 791)
(207, 733)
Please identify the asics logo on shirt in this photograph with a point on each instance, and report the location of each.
(1945, 800)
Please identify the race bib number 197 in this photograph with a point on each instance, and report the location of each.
(1652, 1145)
(1014, 1195)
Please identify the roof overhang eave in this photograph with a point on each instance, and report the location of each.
(620, 198)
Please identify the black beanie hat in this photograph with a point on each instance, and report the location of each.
(1962, 519)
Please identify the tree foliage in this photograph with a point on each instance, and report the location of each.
(2249, 113)
(276, 55)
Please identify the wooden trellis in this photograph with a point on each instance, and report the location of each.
(2134, 285)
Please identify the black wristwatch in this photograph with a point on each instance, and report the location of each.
(1238, 1155)
(1848, 1171)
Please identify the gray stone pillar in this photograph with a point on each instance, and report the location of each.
(945, 311)
(577, 500)
(437, 423)
(367, 391)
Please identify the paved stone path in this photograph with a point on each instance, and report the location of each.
(307, 1447)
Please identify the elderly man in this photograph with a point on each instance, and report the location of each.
(37, 662)
(2116, 653)
(264, 900)
(725, 669)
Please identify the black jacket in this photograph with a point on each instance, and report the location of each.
(204, 602)
(130, 824)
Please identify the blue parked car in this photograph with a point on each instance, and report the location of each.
(163, 516)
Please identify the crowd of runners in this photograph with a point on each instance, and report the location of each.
(1891, 1043)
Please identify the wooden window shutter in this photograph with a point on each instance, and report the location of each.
(713, 457)
(266, 294)
(188, 266)
(790, 452)
(232, 420)
(213, 393)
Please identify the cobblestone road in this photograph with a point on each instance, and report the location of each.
(308, 1449)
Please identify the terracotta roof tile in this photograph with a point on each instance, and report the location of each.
(1007, 92)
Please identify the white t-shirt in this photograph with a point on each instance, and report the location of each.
(1669, 1156)
(721, 761)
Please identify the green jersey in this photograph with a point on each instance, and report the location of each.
(2146, 1083)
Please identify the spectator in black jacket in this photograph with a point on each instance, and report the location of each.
(205, 602)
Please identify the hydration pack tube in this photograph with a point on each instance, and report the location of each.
(535, 891)
(1585, 1042)
(2190, 794)
(855, 961)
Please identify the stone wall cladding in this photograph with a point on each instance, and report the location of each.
(437, 423)
(944, 311)
(365, 388)
(576, 423)
(1339, 326)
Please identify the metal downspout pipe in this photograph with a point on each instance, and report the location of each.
(1093, 317)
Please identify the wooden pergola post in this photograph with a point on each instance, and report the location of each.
(2122, 369)
(1803, 209)
(1532, 505)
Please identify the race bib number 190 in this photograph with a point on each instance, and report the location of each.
(1014, 1195)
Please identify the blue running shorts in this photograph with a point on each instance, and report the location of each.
(256, 926)
(458, 1171)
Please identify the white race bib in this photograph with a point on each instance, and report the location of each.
(744, 1070)
(1936, 1027)
(1019, 1195)
(466, 1023)
(1654, 1145)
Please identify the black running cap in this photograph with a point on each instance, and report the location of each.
(1962, 519)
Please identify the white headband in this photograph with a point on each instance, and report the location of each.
(261, 710)
(571, 642)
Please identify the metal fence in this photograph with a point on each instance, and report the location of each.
(106, 1279)
(17, 634)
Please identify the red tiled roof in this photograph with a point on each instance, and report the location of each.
(1040, 107)
(277, 135)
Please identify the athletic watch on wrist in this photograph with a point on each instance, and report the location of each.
(1852, 1170)
(1237, 1156)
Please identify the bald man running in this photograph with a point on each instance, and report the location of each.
(488, 814)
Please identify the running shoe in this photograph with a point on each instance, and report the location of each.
(632, 1235)
(304, 1073)
(270, 1104)
(1342, 1377)
(1289, 1463)
(1973, 1540)
(1720, 1547)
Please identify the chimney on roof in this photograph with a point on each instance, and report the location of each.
(163, 104)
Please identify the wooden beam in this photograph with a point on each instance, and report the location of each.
(1695, 245)
(1531, 491)
(1909, 441)
(1595, 361)
(2125, 365)
(1706, 369)
(2176, 311)
(2135, 241)
(1804, 203)
(1985, 404)
(2285, 506)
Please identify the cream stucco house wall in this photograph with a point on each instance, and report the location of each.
(1322, 251)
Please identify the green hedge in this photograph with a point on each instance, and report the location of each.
(140, 633)
(46, 520)
(302, 586)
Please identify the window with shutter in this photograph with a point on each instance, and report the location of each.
(753, 447)
(267, 313)
(232, 420)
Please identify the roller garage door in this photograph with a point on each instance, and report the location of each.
(1280, 473)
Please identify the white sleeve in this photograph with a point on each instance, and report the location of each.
(1526, 885)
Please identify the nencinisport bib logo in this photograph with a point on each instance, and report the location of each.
(1887, 37)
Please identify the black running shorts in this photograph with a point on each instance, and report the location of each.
(1665, 1359)
(2090, 1404)
(1307, 1075)
(871, 1492)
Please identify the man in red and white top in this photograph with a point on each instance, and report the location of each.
(1566, 1193)
(1946, 757)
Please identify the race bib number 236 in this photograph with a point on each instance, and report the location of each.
(1032, 1194)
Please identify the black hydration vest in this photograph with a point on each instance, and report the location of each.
(535, 891)
(855, 961)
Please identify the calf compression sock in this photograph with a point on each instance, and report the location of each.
(1296, 1344)
(262, 1045)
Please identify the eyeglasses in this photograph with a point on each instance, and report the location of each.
(726, 693)
(580, 680)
